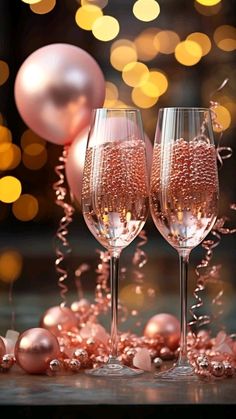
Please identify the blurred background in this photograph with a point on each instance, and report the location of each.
(187, 49)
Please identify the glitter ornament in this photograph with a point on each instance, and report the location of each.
(74, 365)
(157, 362)
(55, 365)
(217, 369)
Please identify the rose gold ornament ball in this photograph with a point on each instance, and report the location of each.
(58, 319)
(2, 348)
(34, 350)
(166, 326)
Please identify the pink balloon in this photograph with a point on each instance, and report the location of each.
(55, 90)
(76, 157)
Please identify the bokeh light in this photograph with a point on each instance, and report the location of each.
(11, 263)
(142, 100)
(207, 10)
(188, 53)
(166, 41)
(5, 135)
(29, 137)
(202, 39)
(10, 189)
(34, 156)
(10, 156)
(223, 118)
(112, 95)
(146, 10)
(4, 72)
(208, 2)
(43, 7)
(31, 1)
(106, 28)
(25, 208)
(135, 74)
(98, 3)
(156, 84)
(225, 37)
(145, 46)
(123, 52)
(87, 15)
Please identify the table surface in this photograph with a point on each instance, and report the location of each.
(18, 388)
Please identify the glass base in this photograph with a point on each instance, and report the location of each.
(179, 372)
(114, 370)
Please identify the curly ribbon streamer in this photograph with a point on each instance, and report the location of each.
(62, 246)
(204, 272)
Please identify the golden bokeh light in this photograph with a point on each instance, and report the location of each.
(31, 1)
(43, 7)
(29, 137)
(34, 161)
(25, 208)
(142, 100)
(5, 135)
(166, 41)
(156, 84)
(202, 39)
(10, 189)
(135, 74)
(98, 3)
(106, 28)
(208, 2)
(10, 156)
(223, 118)
(112, 95)
(123, 52)
(130, 297)
(34, 149)
(144, 44)
(225, 37)
(87, 15)
(188, 53)
(4, 72)
(11, 263)
(146, 10)
(207, 10)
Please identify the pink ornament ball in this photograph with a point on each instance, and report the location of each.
(166, 326)
(2, 348)
(34, 350)
(57, 319)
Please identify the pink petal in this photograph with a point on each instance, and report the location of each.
(223, 348)
(142, 359)
(220, 338)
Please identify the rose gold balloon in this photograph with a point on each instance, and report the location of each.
(57, 319)
(77, 151)
(2, 348)
(55, 90)
(34, 350)
(164, 325)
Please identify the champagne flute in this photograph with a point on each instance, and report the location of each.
(184, 196)
(115, 199)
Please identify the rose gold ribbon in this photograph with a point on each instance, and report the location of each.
(62, 246)
(205, 272)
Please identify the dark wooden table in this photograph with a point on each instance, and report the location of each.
(65, 396)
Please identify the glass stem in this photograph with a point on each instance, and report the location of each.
(114, 278)
(183, 264)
